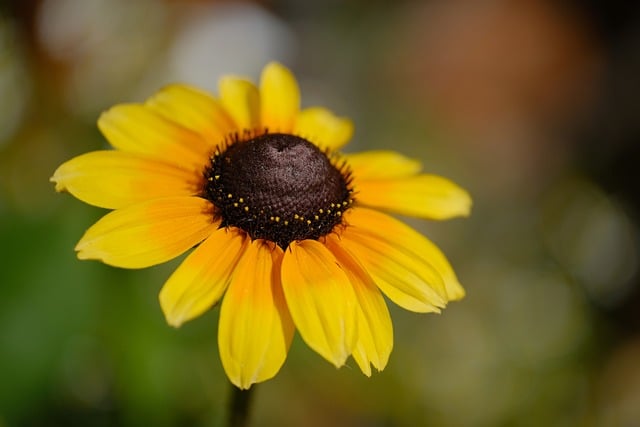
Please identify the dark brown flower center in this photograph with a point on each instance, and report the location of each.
(277, 187)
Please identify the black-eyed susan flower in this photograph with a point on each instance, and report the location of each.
(287, 232)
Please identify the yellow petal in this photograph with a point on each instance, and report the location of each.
(375, 331)
(381, 164)
(279, 98)
(425, 196)
(135, 128)
(195, 110)
(406, 266)
(321, 300)
(255, 328)
(199, 282)
(115, 179)
(413, 243)
(148, 233)
(323, 128)
(241, 100)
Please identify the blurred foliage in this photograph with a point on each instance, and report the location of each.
(530, 105)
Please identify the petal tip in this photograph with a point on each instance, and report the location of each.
(457, 204)
(461, 201)
(172, 318)
(85, 251)
(466, 204)
(60, 187)
(367, 372)
(85, 255)
(79, 248)
(239, 383)
(338, 360)
(455, 291)
(275, 66)
(58, 176)
(104, 117)
(174, 321)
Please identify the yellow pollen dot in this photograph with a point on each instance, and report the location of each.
(277, 219)
(241, 200)
(210, 178)
(235, 204)
(229, 195)
(216, 176)
(286, 222)
(339, 213)
(296, 216)
(308, 221)
(321, 210)
(271, 218)
(246, 208)
(316, 217)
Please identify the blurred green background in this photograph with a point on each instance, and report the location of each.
(532, 105)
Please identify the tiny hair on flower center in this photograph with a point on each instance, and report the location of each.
(277, 187)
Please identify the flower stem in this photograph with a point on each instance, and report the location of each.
(239, 407)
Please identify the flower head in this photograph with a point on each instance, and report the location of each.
(288, 232)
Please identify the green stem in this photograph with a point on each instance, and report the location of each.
(240, 407)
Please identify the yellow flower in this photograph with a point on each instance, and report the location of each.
(289, 230)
